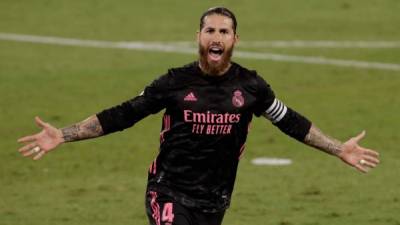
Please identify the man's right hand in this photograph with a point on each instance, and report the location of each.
(37, 145)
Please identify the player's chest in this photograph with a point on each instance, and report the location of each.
(215, 98)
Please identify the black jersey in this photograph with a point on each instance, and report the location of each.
(204, 129)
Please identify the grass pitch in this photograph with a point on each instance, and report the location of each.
(103, 181)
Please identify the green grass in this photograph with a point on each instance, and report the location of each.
(103, 181)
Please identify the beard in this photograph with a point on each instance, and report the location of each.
(214, 68)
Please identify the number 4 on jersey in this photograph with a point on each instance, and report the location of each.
(167, 214)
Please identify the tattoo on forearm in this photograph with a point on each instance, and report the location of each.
(71, 133)
(319, 140)
(89, 128)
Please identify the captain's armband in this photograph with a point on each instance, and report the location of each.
(276, 111)
(287, 120)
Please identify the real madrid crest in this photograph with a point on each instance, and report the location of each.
(237, 99)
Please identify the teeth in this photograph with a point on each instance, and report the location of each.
(216, 48)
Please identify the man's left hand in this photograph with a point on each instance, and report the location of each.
(362, 159)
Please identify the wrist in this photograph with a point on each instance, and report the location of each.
(61, 138)
(339, 151)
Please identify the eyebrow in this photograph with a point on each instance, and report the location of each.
(219, 29)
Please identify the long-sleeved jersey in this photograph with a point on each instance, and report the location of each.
(204, 129)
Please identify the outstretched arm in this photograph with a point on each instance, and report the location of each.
(50, 137)
(116, 118)
(350, 152)
(300, 128)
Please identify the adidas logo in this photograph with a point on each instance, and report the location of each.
(190, 97)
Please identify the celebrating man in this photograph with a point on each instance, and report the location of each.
(209, 105)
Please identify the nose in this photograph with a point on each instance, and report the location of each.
(217, 38)
(215, 35)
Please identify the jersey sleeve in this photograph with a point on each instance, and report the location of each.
(265, 96)
(286, 119)
(150, 101)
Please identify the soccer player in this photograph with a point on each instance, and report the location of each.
(209, 105)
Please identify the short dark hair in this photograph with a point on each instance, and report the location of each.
(219, 11)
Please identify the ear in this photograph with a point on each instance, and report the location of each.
(236, 38)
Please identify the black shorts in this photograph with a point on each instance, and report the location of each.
(163, 210)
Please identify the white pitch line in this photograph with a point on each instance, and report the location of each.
(318, 60)
(181, 47)
(146, 46)
(310, 44)
(264, 161)
(321, 44)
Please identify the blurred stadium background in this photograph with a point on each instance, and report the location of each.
(343, 73)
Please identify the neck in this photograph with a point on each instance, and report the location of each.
(211, 72)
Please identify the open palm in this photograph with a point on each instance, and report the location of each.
(361, 158)
(37, 145)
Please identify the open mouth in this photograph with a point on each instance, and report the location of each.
(215, 53)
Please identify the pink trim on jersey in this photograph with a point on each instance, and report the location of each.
(153, 167)
(167, 127)
(155, 207)
(241, 151)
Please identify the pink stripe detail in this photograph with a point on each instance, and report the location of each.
(153, 167)
(167, 126)
(155, 207)
(241, 152)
